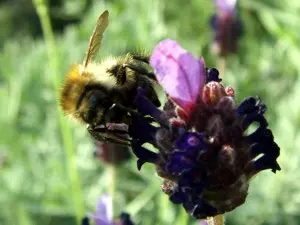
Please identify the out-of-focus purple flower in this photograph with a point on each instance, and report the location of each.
(203, 222)
(227, 6)
(104, 214)
(205, 155)
(226, 26)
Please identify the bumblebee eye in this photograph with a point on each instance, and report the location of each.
(99, 99)
(98, 102)
(93, 101)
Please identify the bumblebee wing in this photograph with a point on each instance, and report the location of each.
(96, 38)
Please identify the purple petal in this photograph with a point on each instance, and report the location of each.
(203, 222)
(180, 74)
(226, 5)
(103, 214)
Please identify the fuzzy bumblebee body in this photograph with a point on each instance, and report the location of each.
(91, 90)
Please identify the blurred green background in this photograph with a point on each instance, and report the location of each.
(47, 171)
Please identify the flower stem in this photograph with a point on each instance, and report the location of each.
(183, 217)
(76, 192)
(112, 188)
(222, 66)
(142, 199)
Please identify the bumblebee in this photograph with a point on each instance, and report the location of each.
(92, 91)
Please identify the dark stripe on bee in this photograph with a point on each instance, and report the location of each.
(119, 72)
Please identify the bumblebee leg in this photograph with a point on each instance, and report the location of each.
(140, 70)
(121, 107)
(124, 141)
(144, 105)
(147, 118)
(102, 136)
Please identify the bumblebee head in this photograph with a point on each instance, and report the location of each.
(83, 99)
(94, 106)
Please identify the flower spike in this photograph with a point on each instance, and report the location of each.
(204, 155)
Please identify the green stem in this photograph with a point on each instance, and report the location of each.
(76, 192)
(142, 199)
(183, 217)
(23, 216)
(222, 66)
(112, 188)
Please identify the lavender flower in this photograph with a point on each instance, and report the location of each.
(226, 26)
(205, 156)
(104, 214)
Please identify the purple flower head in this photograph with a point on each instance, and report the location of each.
(226, 26)
(226, 5)
(104, 214)
(204, 154)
